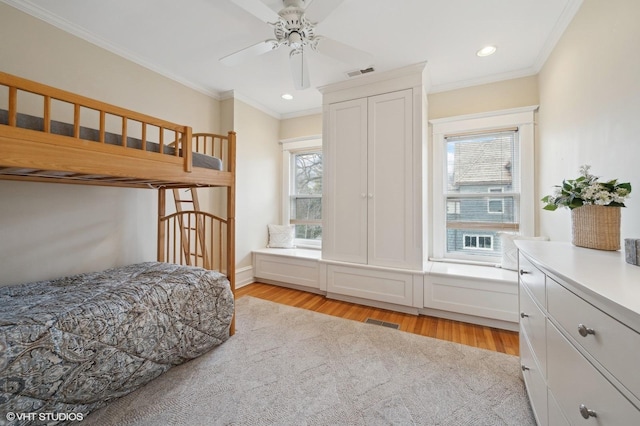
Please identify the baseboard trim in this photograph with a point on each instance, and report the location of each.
(471, 319)
(373, 303)
(291, 286)
(244, 276)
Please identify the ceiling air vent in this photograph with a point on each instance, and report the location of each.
(356, 73)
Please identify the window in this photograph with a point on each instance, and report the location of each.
(495, 205)
(453, 207)
(483, 183)
(480, 242)
(302, 177)
(306, 196)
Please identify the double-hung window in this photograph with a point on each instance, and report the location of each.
(302, 177)
(483, 183)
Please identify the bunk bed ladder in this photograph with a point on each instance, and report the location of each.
(193, 238)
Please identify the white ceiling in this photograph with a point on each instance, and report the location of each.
(185, 39)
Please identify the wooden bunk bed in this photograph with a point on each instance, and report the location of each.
(51, 135)
(95, 143)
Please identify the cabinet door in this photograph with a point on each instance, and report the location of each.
(345, 183)
(390, 181)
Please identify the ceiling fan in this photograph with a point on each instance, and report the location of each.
(293, 29)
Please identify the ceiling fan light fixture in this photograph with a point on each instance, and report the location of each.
(295, 40)
(486, 51)
(292, 29)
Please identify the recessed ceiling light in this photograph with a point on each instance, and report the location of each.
(486, 51)
(287, 96)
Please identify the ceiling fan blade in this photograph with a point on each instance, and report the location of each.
(344, 53)
(317, 10)
(299, 69)
(258, 9)
(242, 55)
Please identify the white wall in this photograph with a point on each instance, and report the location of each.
(590, 107)
(257, 180)
(50, 230)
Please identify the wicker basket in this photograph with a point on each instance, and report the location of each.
(596, 227)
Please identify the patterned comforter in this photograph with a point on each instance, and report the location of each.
(70, 345)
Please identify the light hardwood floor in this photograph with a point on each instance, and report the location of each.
(454, 331)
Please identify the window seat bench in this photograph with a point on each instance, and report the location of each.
(484, 295)
(296, 268)
(477, 294)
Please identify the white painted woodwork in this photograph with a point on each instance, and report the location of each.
(570, 311)
(556, 418)
(572, 287)
(345, 197)
(290, 266)
(534, 378)
(534, 279)
(373, 208)
(369, 213)
(390, 197)
(574, 381)
(533, 325)
(479, 292)
(371, 283)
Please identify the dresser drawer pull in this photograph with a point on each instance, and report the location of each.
(522, 272)
(523, 315)
(584, 331)
(524, 367)
(586, 413)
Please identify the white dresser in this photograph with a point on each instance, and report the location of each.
(579, 334)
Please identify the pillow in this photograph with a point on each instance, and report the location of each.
(281, 236)
(510, 251)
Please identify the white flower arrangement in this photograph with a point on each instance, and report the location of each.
(587, 190)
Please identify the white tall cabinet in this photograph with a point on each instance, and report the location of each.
(374, 143)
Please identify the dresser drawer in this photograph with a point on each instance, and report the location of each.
(612, 343)
(556, 418)
(576, 384)
(533, 327)
(535, 383)
(534, 279)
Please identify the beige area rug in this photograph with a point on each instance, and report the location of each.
(289, 366)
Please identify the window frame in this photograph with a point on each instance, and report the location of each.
(521, 118)
(291, 147)
(489, 200)
(477, 237)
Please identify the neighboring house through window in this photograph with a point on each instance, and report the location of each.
(495, 205)
(483, 183)
(302, 189)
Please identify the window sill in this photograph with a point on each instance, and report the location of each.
(462, 270)
(302, 253)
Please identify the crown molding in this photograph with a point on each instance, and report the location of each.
(234, 94)
(494, 78)
(563, 22)
(37, 12)
(303, 113)
(418, 70)
(486, 114)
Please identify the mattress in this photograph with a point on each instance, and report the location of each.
(73, 344)
(65, 129)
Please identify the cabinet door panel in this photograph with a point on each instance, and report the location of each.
(345, 194)
(390, 172)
